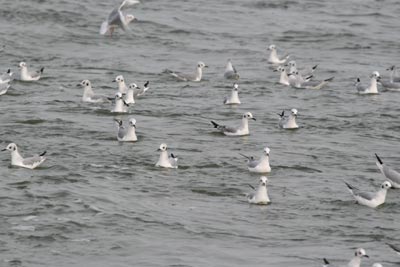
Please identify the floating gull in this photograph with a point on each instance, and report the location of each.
(117, 19)
(284, 79)
(165, 160)
(372, 88)
(89, 95)
(370, 199)
(288, 122)
(127, 134)
(230, 71)
(260, 196)
(393, 77)
(135, 91)
(234, 97)
(355, 261)
(6, 77)
(122, 88)
(18, 160)
(29, 76)
(303, 73)
(261, 165)
(297, 81)
(392, 175)
(196, 77)
(274, 58)
(120, 105)
(243, 129)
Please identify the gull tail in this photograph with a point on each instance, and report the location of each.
(215, 124)
(104, 28)
(44, 153)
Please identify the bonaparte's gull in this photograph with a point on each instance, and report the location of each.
(117, 18)
(274, 58)
(18, 160)
(122, 88)
(120, 105)
(288, 122)
(127, 134)
(303, 73)
(230, 71)
(196, 77)
(390, 174)
(165, 160)
(233, 99)
(283, 79)
(372, 88)
(135, 91)
(4, 87)
(261, 165)
(393, 77)
(89, 95)
(355, 261)
(395, 248)
(370, 199)
(260, 195)
(243, 129)
(29, 76)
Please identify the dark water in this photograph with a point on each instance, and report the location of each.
(97, 202)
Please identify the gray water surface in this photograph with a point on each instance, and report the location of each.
(97, 202)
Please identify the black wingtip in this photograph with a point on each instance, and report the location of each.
(378, 158)
(315, 67)
(118, 121)
(9, 71)
(282, 114)
(173, 156)
(252, 187)
(394, 247)
(326, 262)
(329, 79)
(348, 185)
(214, 124)
(44, 153)
(358, 80)
(146, 84)
(41, 70)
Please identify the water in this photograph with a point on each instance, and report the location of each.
(97, 202)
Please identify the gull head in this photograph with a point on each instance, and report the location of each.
(22, 65)
(118, 95)
(266, 151)
(272, 47)
(163, 147)
(280, 69)
(292, 63)
(294, 112)
(248, 115)
(235, 87)
(84, 83)
(133, 86)
(386, 185)
(129, 18)
(132, 122)
(263, 181)
(119, 79)
(360, 252)
(11, 147)
(375, 75)
(201, 65)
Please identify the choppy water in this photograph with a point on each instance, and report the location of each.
(97, 202)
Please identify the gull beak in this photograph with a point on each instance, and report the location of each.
(206, 66)
(4, 149)
(114, 81)
(158, 150)
(254, 119)
(275, 70)
(378, 78)
(366, 256)
(78, 85)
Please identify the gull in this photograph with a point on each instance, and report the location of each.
(274, 58)
(230, 71)
(372, 88)
(6, 77)
(18, 160)
(29, 76)
(297, 81)
(120, 105)
(370, 199)
(196, 77)
(127, 134)
(135, 91)
(261, 165)
(260, 196)
(4, 87)
(89, 95)
(393, 77)
(283, 79)
(234, 97)
(288, 122)
(390, 174)
(243, 129)
(118, 19)
(304, 73)
(395, 248)
(355, 261)
(395, 86)
(122, 88)
(165, 160)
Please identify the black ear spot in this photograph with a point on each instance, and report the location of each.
(14, 148)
